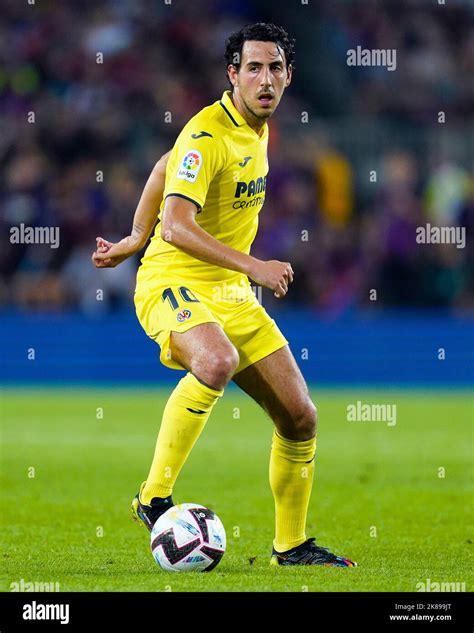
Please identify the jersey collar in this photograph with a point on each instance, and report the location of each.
(235, 116)
(231, 111)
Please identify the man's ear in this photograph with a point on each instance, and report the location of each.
(232, 73)
(289, 76)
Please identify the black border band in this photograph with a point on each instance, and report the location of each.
(115, 612)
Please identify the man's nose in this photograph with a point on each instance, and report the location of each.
(266, 77)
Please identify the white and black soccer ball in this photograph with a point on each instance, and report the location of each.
(188, 537)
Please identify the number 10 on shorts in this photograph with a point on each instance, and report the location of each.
(186, 295)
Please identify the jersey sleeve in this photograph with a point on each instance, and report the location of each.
(196, 158)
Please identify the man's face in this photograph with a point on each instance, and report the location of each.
(262, 78)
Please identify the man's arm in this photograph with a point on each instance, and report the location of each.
(179, 227)
(109, 255)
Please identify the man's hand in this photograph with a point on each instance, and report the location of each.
(274, 275)
(109, 255)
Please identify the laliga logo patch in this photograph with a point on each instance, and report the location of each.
(192, 161)
(183, 315)
(190, 166)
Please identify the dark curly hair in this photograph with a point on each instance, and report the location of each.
(259, 32)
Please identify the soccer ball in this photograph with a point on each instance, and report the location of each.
(188, 537)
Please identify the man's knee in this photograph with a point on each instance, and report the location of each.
(216, 367)
(302, 425)
(306, 419)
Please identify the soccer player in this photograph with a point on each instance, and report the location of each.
(193, 295)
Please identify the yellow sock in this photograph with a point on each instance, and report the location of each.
(184, 417)
(291, 479)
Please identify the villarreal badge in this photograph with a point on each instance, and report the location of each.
(183, 315)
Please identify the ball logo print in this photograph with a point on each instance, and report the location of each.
(173, 552)
(190, 166)
(188, 537)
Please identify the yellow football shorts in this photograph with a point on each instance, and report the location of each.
(172, 307)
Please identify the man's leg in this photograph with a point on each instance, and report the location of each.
(276, 383)
(211, 359)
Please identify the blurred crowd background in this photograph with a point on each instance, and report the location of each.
(92, 93)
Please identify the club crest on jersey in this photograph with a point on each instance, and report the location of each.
(183, 315)
(190, 166)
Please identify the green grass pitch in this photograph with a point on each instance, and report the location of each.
(68, 476)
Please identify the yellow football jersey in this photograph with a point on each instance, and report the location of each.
(220, 164)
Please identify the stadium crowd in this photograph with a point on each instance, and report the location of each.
(93, 93)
